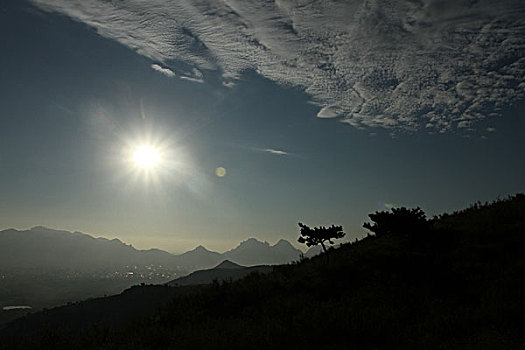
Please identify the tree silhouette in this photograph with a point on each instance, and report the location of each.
(399, 221)
(320, 235)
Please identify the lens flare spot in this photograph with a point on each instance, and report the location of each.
(220, 172)
(386, 205)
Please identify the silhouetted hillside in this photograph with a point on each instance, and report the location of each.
(225, 271)
(457, 284)
(227, 264)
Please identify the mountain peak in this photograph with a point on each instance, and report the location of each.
(40, 228)
(227, 264)
(283, 243)
(253, 242)
(254, 252)
(43, 229)
(200, 248)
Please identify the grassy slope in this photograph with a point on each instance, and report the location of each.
(456, 286)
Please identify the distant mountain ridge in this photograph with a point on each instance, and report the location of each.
(253, 252)
(57, 249)
(199, 258)
(47, 248)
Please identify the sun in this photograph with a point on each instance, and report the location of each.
(146, 157)
(151, 159)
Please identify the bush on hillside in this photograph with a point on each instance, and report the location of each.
(399, 221)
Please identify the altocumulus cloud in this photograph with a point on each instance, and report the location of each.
(195, 76)
(166, 71)
(437, 65)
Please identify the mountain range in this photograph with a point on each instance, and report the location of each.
(44, 248)
(249, 252)
(43, 267)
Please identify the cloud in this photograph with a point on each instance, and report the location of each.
(436, 65)
(166, 71)
(195, 76)
(275, 151)
(228, 84)
(330, 112)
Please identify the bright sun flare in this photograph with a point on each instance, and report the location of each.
(146, 157)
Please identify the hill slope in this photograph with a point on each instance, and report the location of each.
(456, 285)
(225, 271)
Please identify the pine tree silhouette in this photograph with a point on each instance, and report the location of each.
(320, 235)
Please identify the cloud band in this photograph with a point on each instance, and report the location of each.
(432, 65)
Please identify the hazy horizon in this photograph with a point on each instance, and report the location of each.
(220, 247)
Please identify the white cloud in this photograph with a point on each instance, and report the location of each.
(228, 84)
(166, 71)
(330, 112)
(432, 64)
(195, 76)
(275, 151)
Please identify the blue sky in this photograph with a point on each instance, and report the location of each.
(76, 92)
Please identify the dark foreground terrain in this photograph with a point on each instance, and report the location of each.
(454, 283)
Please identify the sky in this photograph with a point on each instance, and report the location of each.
(263, 113)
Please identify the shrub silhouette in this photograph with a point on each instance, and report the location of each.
(399, 221)
(320, 235)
